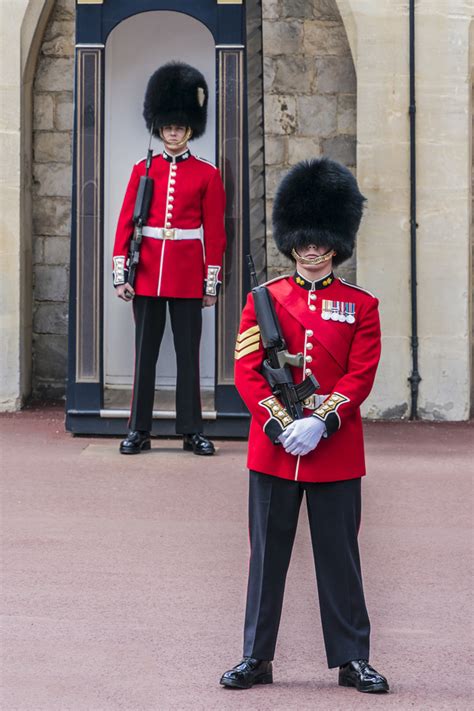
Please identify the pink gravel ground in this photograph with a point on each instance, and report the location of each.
(124, 578)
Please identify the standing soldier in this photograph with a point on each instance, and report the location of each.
(335, 325)
(181, 253)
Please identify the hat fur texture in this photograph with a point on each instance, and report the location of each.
(176, 94)
(318, 202)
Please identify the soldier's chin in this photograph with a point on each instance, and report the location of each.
(312, 259)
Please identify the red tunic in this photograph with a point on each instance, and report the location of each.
(188, 194)
(343, 356)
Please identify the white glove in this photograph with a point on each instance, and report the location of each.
(302, 436)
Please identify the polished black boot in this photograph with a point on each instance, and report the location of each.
(198, 444)
(247, 673)
(135, 442)
(365, 678)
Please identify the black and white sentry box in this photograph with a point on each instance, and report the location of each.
(119, 43)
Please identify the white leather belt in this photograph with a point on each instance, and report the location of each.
(314, 401)
(171, 233)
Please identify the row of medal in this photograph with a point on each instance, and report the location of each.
(343, 311)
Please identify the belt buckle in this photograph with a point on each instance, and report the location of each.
(169, 233)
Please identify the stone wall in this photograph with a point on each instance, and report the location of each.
(52, 177)
(310, 96)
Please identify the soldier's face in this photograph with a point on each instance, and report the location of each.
(173, 134)
(315, 270)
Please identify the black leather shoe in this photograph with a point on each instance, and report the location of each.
(198, 444)
(247, 673)
(135, 442)
(365, 678)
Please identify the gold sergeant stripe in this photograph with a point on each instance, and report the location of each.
(246, 351)
(248, 342)
(249, 332)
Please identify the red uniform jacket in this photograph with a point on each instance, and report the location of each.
(188, 194)
(336, 326)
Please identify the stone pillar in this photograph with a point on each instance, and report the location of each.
(11, 15)
(444, 200)
(22, 23)
(13, 253)
(383, 172)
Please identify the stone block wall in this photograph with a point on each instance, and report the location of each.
(52, 179)
(310, 97)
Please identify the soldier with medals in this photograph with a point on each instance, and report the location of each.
(181, 252)
(335, 326)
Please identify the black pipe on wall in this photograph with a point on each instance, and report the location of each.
(414, 378)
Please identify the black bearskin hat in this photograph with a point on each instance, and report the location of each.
(176, 94)
(318, 202)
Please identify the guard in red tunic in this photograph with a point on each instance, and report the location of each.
(335, 325)
(181, 253)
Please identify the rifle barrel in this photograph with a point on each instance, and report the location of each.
(253, 274)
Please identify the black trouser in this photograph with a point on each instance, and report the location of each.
(334, 518)
(186, 324)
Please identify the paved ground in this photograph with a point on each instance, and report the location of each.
(124, 578)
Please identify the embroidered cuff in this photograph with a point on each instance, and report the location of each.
(279, 418)
(120, 274)
(327, 412)
(212, 283)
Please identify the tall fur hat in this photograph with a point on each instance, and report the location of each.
(176, 94)
(318, 202)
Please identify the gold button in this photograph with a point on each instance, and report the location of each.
(309, 346)
(168, 224)
(171, 198)
(313, 297)
(312, 308)
(309, 359)
(172, 181)
(171, 190)
(309, 333)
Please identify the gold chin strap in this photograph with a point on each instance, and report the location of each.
(312, 261)
(181, 144)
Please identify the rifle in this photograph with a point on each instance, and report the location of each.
(276, 365)
(140, 216)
